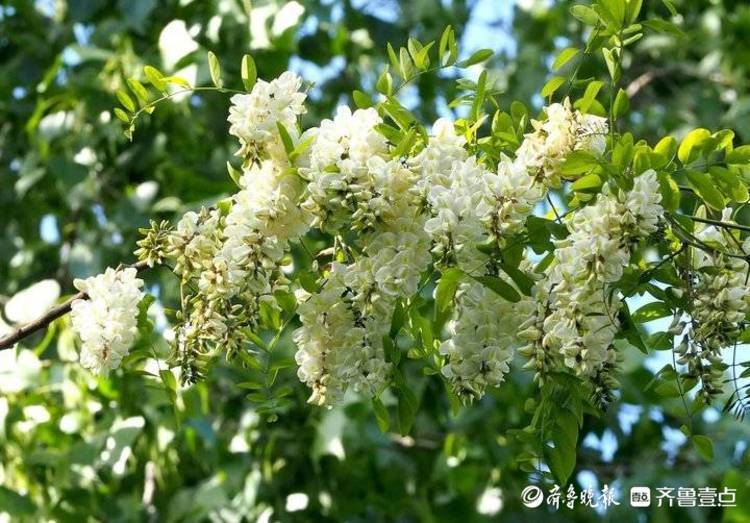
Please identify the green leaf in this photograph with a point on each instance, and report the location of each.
(392, 352)
(404, 146)
(704, 446)
(406, 66)
(552, 85)
(588, 183)
(585, 14)
(249, 72)
(662, 26)
(155, 77)
(669, 4)
(562, 458)
(612, 59)
(125, 100)
(215, 69)
(15, 504)
(690, 148)
(234, 174)
(633, 10)
(706, 189)
(578, 162)
(384, 84)
(739, 156)
(122, 115)
(479, 96)
(398, 319)
(524, 282)
(170, 384)
(592, 89)
(667, 147)
(622, 104)
(381, 415)
(500, 287)
(660, 341)
(565, 56)
(361, 100)
(176, 80)
(141, 93)
(478, 57)
(443, 46)
(446, 288)
(670, 192)
(286, 139)
(730, 183)
(407, 408)
(651, 311)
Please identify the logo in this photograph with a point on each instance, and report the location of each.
(640, 497)
(532, 496)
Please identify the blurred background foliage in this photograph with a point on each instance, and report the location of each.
(73, 192)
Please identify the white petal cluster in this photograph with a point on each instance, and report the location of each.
(470, 206)
(482, 340)
(254, 116)
(107, 321)
(577, 310)
(340, 166)
(393, 214)
(455, 227)
(508, 198)
(721, 291)
(264, 216)
(340, 342)
(553, 139)
(338, 348)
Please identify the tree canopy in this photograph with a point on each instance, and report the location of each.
(648, 103)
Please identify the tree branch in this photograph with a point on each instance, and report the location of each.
(7, 341)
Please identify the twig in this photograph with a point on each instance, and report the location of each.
(7, 341)
(718, 223)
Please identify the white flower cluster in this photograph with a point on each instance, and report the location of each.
(392, 211)
(576, 309)
(107, 321)
(254, 117)
(553, 139)
(470, 206)
(343, 165)
(339, 348)
(353, 184)
(482, 339)
(721, 289)
(441, 200)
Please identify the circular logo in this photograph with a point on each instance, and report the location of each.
(532, 496)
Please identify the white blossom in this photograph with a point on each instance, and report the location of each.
(107, 320)
(254, 117)
(482, 339)
(564, 131)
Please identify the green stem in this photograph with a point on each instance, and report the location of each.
(153, 103)
(718, 223)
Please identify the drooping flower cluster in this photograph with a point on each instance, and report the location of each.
(577, 311)
(391, 210)
(106, 321)
(352, 184)
(345, 157)
(471, 206)
(720, 300)
(254, 117)
(340, 346)
(482, 339)
(564, 131)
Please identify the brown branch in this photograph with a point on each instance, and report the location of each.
(652, 74)
(7, 341)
